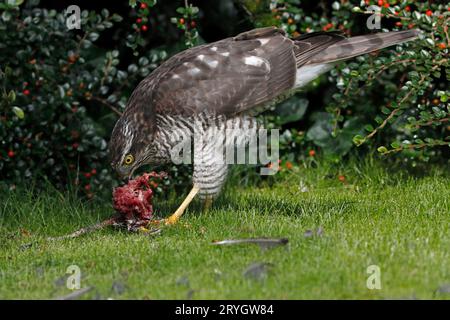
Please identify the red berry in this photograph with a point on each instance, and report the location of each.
(144, 28)
(312, 153)
(181, 20)
(72, 58)
(408, 8)
(386, 5)
(26, 92)
(380, 2)
(398, 24)
(75, 145)
(442, 45)
(93, 171)
(288, 165)
(138, 20)
(193, 24)
(143, 6)
(11, 154)
(341, 178)
(87, 187)
(25, 84)
(429, 13)
(87, 175)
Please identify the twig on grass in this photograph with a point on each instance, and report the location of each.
(114, 221)
(74, 295)
(97, 226)
(264, 243)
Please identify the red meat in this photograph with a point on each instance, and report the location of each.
(134, 200)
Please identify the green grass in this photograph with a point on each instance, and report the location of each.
(398, 222)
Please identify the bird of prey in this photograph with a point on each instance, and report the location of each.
(221, 84)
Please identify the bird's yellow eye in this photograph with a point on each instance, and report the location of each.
(129, 159)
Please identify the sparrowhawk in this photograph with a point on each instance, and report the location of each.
(221, 85)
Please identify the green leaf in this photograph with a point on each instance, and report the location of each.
(93, 36)
(358, 140)
(385, 110)
(116, 18)
(194, 10)
(292, 109)
(378, 119)
(382, 149)
(395, 144)
(143, 61)
(11, 96)
(61, 91)
(336, 5)
(18, 112)
(6, 16)
(430, 42)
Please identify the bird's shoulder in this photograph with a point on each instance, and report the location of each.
(228, 76)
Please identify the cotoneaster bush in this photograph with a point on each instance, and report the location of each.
(61, 92)
(60, 96)
(395, 101)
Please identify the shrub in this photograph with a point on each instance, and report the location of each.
(61, 92)
(58, 97)
(397, 99)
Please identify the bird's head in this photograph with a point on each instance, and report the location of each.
(130, 146)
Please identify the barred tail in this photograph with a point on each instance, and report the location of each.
(355, 46)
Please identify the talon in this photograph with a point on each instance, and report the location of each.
(143, 230)
(156, 222)
(176, 216)
(171, 220)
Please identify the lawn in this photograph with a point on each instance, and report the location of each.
(398, 222)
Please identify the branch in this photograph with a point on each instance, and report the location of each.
(394, 112)
(109, 105)
(417, 146)
(386, 15)
(431, 122)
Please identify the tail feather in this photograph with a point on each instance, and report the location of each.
(355, 46)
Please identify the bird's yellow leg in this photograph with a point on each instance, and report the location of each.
(176, 216)
(207, 203)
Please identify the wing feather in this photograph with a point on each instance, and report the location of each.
(227, 77)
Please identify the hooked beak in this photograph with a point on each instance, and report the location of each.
(124, 173)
